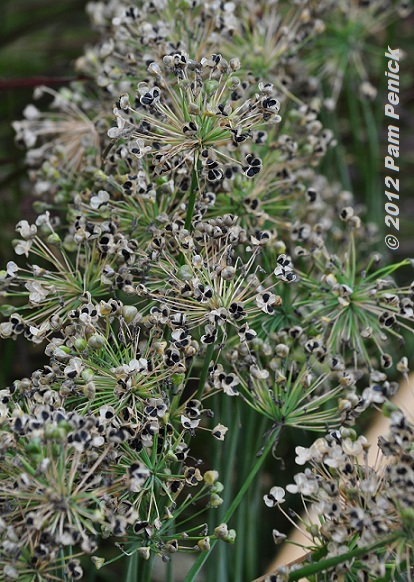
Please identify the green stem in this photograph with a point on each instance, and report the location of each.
(252, 510)
(92, 574)
(325, 565)
(227, 470)
(60, 570)
(193, 194)
(132, 570)
(273, 438)
(204, 372)
(245, 558)
(372, 185)
(170, 571)
(333, 165)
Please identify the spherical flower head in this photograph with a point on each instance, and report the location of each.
(67, 131)
(351, 300)
(193, 110)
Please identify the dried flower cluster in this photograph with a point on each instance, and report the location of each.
(360, 507)
(188, 253)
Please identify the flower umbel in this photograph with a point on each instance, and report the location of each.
(195, 110)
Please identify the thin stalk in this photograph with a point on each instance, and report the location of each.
(60, 570)
(245, 551)
(92, 574)
(218, 461)
(374, 199)
(193, 194)
(204, 371)
(170, 571)
(273, 439)
(138, 570)
(337, 155)
(252, 511)
(231, 419)
(132, 570)
(356, 125)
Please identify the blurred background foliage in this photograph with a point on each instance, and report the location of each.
(39, 42)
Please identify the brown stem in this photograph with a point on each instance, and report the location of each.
(32, 82)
